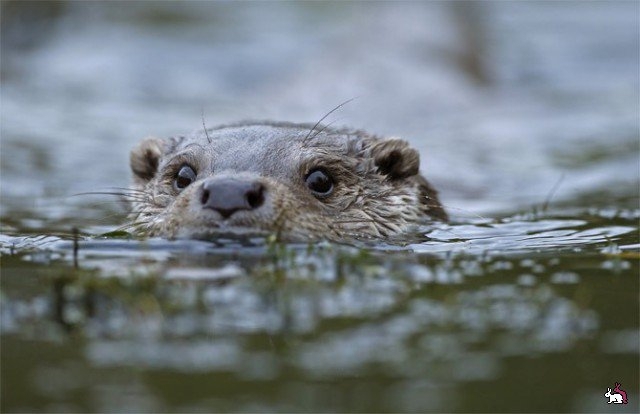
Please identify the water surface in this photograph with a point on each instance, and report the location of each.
(526, 117)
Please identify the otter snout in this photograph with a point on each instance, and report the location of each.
(229, 195)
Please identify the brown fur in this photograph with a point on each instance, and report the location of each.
(378, 191)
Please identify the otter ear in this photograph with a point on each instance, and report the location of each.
(395, 158)
(144, 159)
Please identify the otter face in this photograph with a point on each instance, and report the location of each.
(267, 178)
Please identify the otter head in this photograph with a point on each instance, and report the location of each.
(265, 178)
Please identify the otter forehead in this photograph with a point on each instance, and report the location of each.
(263, 148)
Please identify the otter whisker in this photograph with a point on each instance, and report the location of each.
(109, 203)
(324, 127)
(115, 190)
(130, 191)
(205, 127)
(461, 210)
(110, 193)
(133, 190)
(326, 115)
(107, 219)
(134, 226)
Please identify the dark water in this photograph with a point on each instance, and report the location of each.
(526, 115)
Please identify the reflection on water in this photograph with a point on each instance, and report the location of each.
(526, 116)
(426, 320)
(428, 325)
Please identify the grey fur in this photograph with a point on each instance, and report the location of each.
(378, 191)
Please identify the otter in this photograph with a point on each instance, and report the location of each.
(301, 182)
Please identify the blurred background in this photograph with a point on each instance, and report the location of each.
(511, 104)
(503, 99)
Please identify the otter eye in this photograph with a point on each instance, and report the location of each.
(185, 176)
(319, 182)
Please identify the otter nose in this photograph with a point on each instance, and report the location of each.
(228, 195)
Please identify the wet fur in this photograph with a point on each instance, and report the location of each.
(378, 191)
